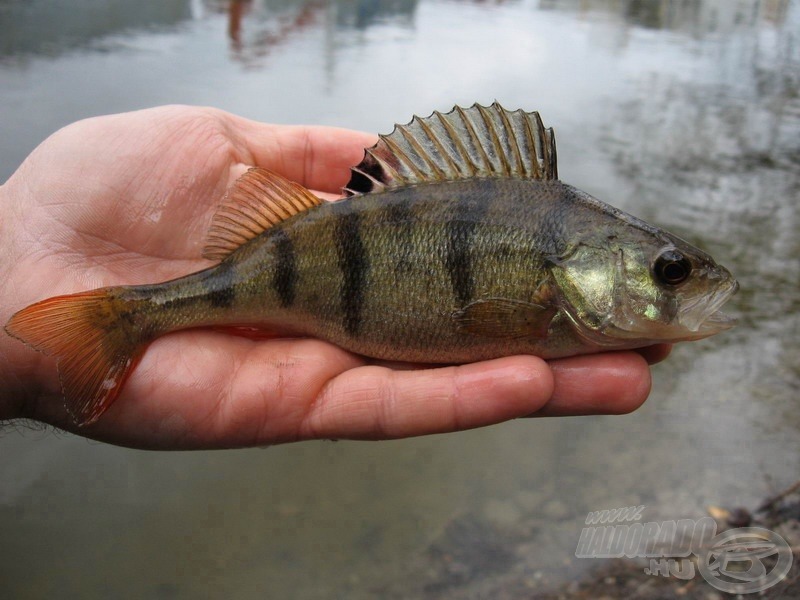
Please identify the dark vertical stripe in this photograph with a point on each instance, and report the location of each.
(397, 211)
(284, 277)
(354, 263)
(220, 286)
(399, 215)
(458, 260)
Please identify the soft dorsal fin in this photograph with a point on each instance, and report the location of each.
(480, 141)
(257, 200)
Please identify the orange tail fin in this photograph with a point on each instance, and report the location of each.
(95, 349)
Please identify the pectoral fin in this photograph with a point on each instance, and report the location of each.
(503, 318)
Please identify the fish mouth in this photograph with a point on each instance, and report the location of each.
(702, 317)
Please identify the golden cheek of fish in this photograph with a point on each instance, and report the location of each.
(456, 243)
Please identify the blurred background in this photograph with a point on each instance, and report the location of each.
(685, 113)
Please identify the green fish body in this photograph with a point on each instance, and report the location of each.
(457, 243)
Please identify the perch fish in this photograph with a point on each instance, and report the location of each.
(456, 243)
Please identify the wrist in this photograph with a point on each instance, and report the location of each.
(17, 362)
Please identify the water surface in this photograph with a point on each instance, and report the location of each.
(686, 114)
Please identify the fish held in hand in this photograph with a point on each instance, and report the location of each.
(456, 243)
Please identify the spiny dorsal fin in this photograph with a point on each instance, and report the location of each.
(480, 141)
(257, 200)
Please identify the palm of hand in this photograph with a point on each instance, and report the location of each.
(126, 199)
(137, 195)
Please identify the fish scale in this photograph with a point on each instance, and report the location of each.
(444, 246)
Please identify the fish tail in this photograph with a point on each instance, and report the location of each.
(92, 336)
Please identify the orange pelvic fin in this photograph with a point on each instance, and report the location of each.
(95, 349)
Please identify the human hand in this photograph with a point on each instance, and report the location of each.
(126, 199)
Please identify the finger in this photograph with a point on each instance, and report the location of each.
(208, 389)
(315, 156)
(609, 383)
(374, 402)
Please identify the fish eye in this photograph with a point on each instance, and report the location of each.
(672, 268)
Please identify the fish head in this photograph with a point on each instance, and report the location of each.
(629, 284)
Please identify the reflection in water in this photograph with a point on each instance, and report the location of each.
(698, 17)
(361, 14)
(256, 28)
(50, 27)
(273, 26)
(236, 11)
(685, 113)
